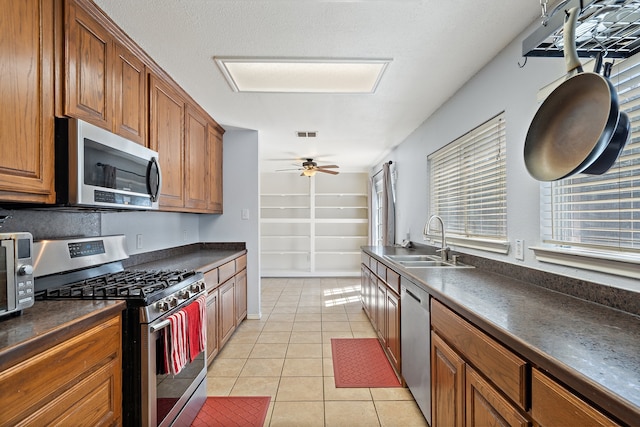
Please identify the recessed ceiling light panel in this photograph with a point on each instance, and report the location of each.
(301, 75)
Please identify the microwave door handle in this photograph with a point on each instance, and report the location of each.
(154, 179)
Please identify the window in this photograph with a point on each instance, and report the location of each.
(601, 212)
(468, 187)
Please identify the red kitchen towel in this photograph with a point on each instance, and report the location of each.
(196, 321)
(202, 302)
(175, 343)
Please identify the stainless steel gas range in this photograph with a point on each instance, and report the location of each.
(91, 268)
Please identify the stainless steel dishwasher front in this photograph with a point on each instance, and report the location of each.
(416, 343)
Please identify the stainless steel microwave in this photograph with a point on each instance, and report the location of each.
(16, 272)
(96, 168)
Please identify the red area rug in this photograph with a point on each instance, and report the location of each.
(233, 411)
(361, 362)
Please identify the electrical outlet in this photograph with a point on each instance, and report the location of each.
(519, 255)
(184, 235)
(138, 241)
(244, 214)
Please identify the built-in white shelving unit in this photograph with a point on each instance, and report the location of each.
(312, 226)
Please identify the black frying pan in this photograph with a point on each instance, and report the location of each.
(576, 122)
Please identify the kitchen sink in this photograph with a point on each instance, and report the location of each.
(424, 261)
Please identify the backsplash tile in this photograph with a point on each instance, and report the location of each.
(51, 224)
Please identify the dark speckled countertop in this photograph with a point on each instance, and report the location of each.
(201, 260)
(47, 323)
(591, 348)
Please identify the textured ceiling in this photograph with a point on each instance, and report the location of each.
(436, 46)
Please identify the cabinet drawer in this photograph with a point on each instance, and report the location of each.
(364, 259)
(241, 263)
(381, 271)
(211, 279)
(373, 264)
(393, 280)
(553, 405)
(506, 370)
(226, 270)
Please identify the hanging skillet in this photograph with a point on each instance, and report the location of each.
(576, 122)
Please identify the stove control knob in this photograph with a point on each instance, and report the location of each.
(173, 302)
(162, 305)
(185, 294)
(25, 270)
(196, 287)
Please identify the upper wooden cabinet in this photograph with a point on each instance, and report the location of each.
(166, 136)
(87, 67)
(104, 83)
(27, 100)
(196, 164)
(130, 89)
(214, 145)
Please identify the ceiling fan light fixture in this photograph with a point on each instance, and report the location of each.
(309, 172)
(302, 75)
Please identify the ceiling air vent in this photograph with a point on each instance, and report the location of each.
(611, 26)
(307, 134)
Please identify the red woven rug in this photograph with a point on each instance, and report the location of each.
(233, 411)
(361, 362)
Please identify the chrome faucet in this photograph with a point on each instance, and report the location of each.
(444, 250)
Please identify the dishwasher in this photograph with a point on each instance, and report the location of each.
(415, 344)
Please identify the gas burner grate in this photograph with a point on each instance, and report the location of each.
(128, 284)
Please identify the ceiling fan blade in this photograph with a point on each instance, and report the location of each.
(283, 170)
(329, 166)
(328, 171)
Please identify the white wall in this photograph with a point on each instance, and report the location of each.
(500, 86)
(241, 191)
(159, 230)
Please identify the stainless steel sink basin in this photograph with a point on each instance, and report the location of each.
(412, 258)
(424, 261)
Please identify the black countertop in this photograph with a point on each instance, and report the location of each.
(591, 348)
(201, 260)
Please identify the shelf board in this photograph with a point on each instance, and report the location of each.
(341, 207)
(341, 220)
(338, 252)
(285, 194)
(285, 207)
(285, 236)
(342, 194)
(286, 220)
(284, 252)
(340, 237)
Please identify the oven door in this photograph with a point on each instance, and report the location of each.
(167, 398)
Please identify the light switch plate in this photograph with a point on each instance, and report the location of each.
(244, 214)
(138, 241)
(519, 255)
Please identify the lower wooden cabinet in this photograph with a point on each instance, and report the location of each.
(213, 345)
(475, 381)
(447, 384)
(227, 310)
(241, 296)
(226, 302)
(485, 406)
(77, 382)
(381, 303)
(554, 405)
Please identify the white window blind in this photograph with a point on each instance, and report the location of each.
(467, 183)
(377, 214)
(601, 212)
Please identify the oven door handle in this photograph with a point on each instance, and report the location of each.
(158, 326)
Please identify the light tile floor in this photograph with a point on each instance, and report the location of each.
(287, 355)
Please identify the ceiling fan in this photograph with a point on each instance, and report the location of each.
(309, 168)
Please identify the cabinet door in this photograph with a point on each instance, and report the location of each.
(553, 405)
(166, 137)
(381, 312)
(130, 107)
(364, 288)
(227, 306)
(486, 407)
(447, 385)
(88, 66)
(196, 164)
(214, 145)
(26, 97)
(393, 328)
(241, 296)
(212, 325)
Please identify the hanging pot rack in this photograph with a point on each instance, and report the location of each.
(610, 26)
